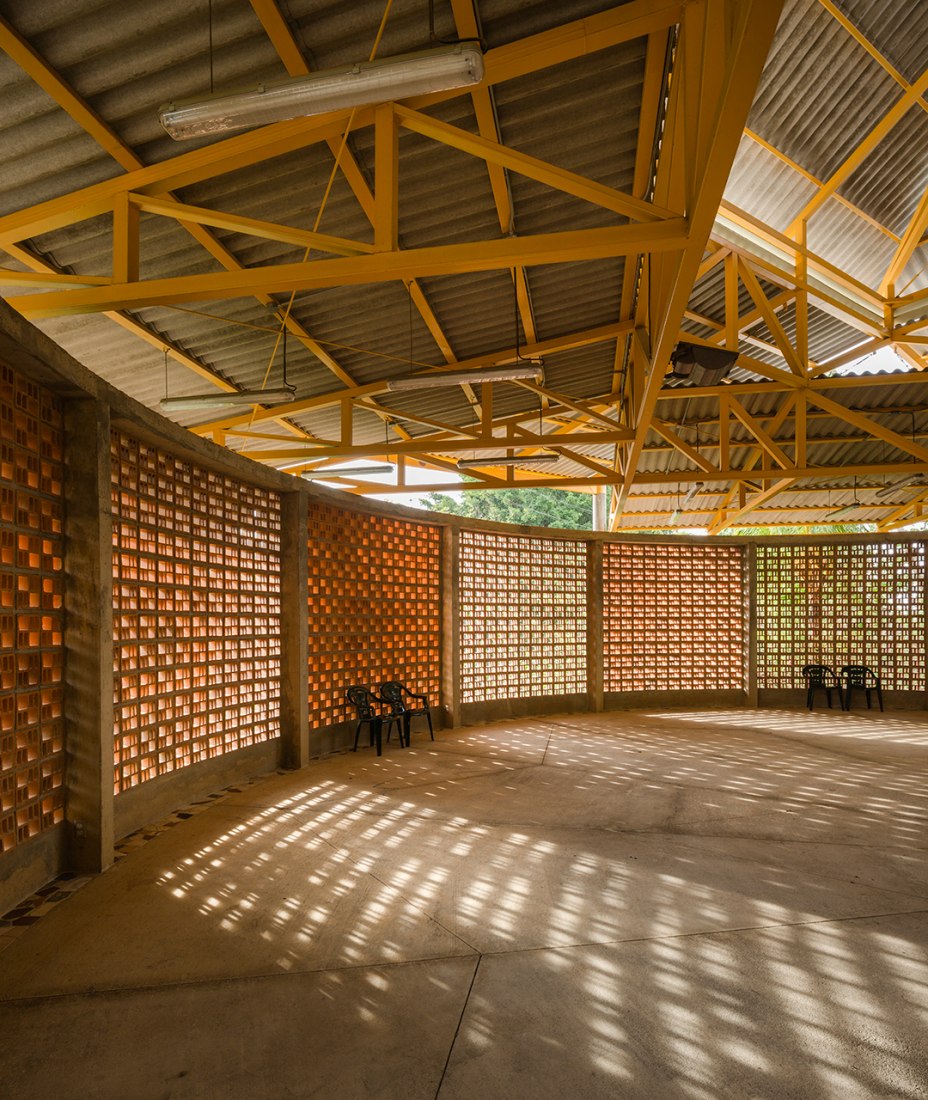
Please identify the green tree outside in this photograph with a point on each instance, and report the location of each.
(542, 507)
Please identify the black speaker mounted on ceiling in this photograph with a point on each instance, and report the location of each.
(701, 365)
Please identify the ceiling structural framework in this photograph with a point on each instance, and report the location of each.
(745, 175)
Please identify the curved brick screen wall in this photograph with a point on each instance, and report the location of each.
(838, 605)
(196, 615)
(373, 607)
(674, 618)
(523, 617)
(31, 654)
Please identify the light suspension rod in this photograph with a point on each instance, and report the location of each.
(463, 377)
(354, 85)
(504, 460)
(220, 400)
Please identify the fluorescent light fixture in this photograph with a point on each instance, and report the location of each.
(462, 377)
(694, 490)
(843, 511)
(344, 471)
(353, 85)
(504, 460)
(219, 400)
(910, 480)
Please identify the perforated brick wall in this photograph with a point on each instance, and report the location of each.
(32, 735)
(196, 617)
(523, 617)
(374, 609)
(838, 605)
(674, 618)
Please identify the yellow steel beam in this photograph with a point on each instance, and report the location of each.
(569, 482)
(125, 240)
(871, 49)
(856, 210)
(252, 227)
(527, 55)
(680, 444)
(386, 179)
(452, 259)
(465, 21)
(732, 519)
(652, 95)
(911, 239)
(20, 51)
(40, 71)
(721, 112)
(851, 163)
(794, 247)
(770, 319)
(763, 438)
(419, 445)
(51, 279)
(866, 424)
(130, 324)
(580, 38)
(158, 179)
(776, 422)
(558, 178)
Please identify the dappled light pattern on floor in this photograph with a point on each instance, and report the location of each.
(724, 903)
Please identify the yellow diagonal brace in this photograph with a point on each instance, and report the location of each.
(867, 425)
(910, 241)
(770, 319)
(19, 50)
(8, 277)
(863, 150)
(525, 165)
(763, 438)
(680, 444)
(252, 227)
(762, 497)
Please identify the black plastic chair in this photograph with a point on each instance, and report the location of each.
(364, 703)
(861, 678)
(821, 678)
(395, 694)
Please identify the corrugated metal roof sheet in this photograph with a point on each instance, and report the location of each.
(820, 95)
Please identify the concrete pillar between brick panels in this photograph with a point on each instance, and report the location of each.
(594, 624)
(450, 644)
(750, 580)
(294, 630)
(88, 636)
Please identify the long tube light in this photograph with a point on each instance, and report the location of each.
(462, 377)
(219, 400)
(910, 480)
(344, 471)
(437, 70)
(503, 460)
(844, 510)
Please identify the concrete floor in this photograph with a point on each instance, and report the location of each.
(701, 904)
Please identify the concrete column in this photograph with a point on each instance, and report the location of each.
(600, 498)
(294, 631)
(750, 580)
(594, 623)
(88, 635)
(451, 626)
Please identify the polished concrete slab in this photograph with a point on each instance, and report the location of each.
(727, 903)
